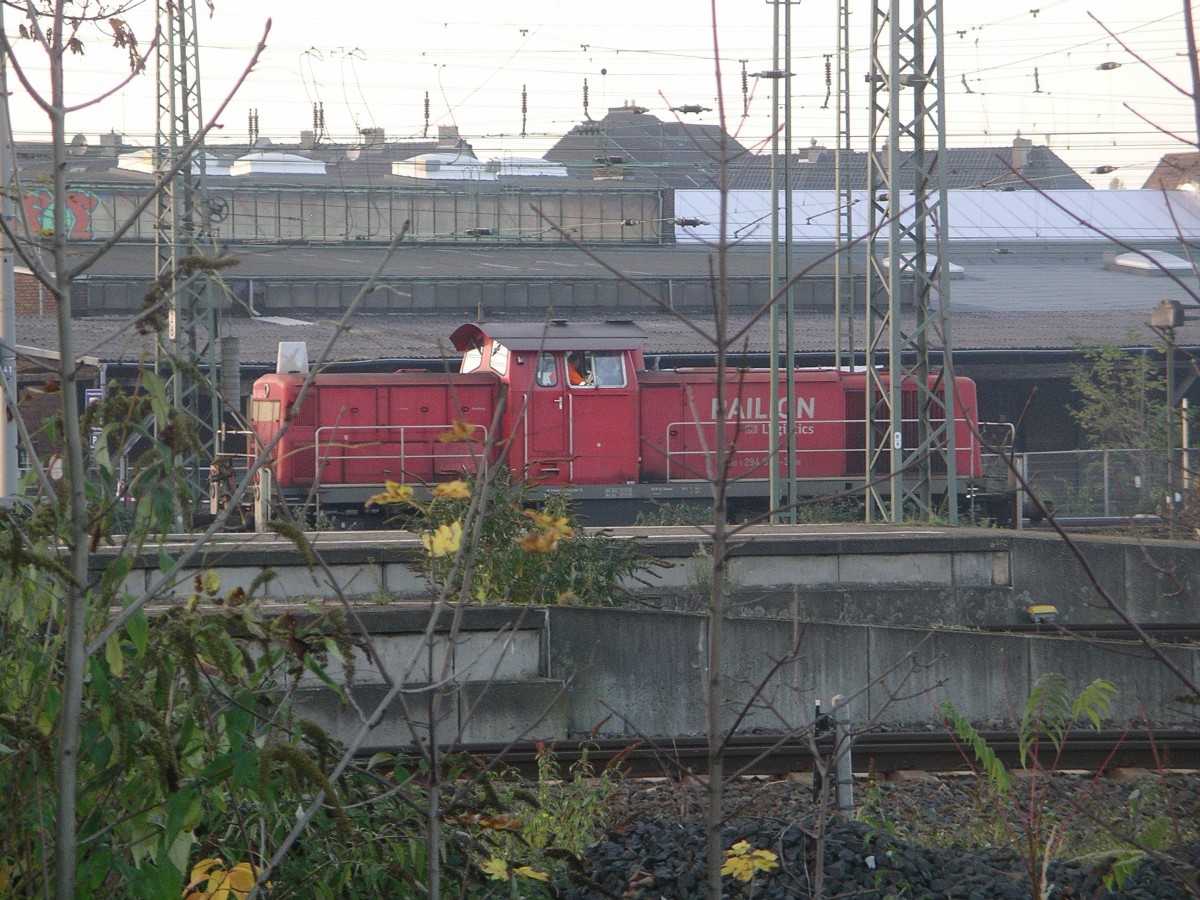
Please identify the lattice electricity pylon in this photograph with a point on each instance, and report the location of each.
(910, 438)
(843, 292)
(182, 236)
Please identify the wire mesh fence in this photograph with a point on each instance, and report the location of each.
(1091, 483)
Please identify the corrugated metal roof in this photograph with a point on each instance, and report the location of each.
(967, 168)
(996, 216)
(1011, 323)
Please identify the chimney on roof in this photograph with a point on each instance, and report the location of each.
(815, 150)
(308, 140)
(79, 145)
(1020, 152)
(110, 144)
(448, 136)
(372, 138)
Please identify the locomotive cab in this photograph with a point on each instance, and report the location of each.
(569, 388)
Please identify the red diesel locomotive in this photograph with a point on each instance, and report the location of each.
(571, 406)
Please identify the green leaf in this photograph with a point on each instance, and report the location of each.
(1047, 712)
(164, 560)
(1094, 702)
(138, 628)
(334, 650)
(156, 389)
(113, 655)
(317, 669)
(379, 759)
(992, 767)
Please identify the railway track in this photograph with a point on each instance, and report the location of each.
(1164, 632)
(872, 753)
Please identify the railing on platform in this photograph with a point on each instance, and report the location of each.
(686, 462)
(410, 449)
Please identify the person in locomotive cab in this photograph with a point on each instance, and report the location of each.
(578, 371)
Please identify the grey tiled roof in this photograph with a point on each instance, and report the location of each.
(638, 146)
(1173, 170)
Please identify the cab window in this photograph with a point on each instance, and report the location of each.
(589, 369)
(579, 369)
(472, 358)
(609, 369)
(547, 371)
(499, 359)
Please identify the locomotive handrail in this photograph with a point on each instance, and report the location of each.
(334, 438)
(678, 457)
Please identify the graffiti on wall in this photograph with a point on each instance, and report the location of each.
(39, 213)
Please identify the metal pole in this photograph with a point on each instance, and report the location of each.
(773, 318)
(1172, 482)
(1183, 445)
(790, 311)
(1107, 480)
(8, 304)
(844, 766)
(1022, 463)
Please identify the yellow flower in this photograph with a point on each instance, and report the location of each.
(742, 861)
(495, 869)
(452, 490)
(394, 492)
(212, 881)
(539, 541)
(459, 431)
(560, 525)
(209, 582)
(446, 539)
(501, 822)
(531, 872)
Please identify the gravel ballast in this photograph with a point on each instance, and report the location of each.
(922, 837)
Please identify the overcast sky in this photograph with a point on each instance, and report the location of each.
(1033, 71)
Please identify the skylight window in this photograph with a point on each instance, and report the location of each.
(1148, 262)
(954, 270)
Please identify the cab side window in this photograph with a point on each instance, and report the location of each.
(547, 371)
(579, 369)
(472, 358)
(609, 369)
(588, 369)
(499, 361)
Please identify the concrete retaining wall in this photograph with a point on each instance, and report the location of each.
(562, 672)
(883, 576)
(647, 667)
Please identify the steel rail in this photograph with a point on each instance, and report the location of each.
(872, 753)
